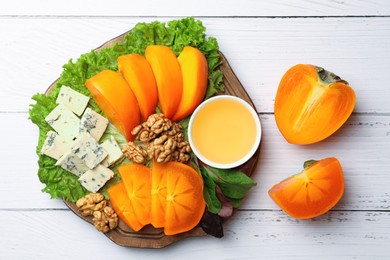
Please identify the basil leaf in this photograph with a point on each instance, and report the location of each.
(233, 184)
(209, 193)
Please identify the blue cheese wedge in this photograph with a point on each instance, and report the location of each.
(93, 123)
(64, 122)
(88, 150)
(54, 146)
(73, 100)
(70, 162)
(94, 180)
(113, 150)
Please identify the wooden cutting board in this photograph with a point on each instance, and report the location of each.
(150, 237)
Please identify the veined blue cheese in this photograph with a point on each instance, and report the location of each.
(94, 179)
(88, 150)
(54, 146)
(70, 162)
(73, 100)
(93, 123)
(113, 150)
(64, 122)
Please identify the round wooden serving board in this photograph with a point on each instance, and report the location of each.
(150, 237)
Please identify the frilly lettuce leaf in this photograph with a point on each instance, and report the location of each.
(176, 34)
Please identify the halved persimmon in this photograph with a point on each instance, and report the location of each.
(184, 200)
(137, 181)
(312, 192)
(123, 206)
(311, 104)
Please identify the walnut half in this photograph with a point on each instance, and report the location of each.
(104, 217)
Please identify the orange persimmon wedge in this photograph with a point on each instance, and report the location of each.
(194, 71)
(116, 99)
(311, 104)
(312, 192)
(184, 200)
(159, 194)
(167, 73)
(137, 181)
(139, 75)
(123, 206)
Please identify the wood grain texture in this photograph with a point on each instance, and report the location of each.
(361, 145)
(259, 50)
(261, 40)
(196, 8)
(248, 235)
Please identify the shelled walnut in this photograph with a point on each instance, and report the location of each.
(91, 203)
(159, 139)
(105, 220)
(104, 217)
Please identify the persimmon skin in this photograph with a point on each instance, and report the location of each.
(309, 109)
(116, 99)
(139, 75)
(312, 192)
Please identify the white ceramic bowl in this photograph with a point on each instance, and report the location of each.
(240, 161)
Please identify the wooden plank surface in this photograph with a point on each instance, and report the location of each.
(196, 8)
(261, 40)
(248, 235)
(259, 50)
(361, 145)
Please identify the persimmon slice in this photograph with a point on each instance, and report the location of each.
(137, 181)
(159, 194)
(123, 206)
(184, 200)
(312, 192)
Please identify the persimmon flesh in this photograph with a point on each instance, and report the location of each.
(312, 192)
(123, 206)
(116, 99)
(184, 198)
(311, 104)
(137, 181)
(139, 75)
(167, 72)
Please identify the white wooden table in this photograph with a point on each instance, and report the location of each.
(261, 40)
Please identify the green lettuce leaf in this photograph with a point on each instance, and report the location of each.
(175, 34)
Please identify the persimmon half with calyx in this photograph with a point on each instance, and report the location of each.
(116, 99)
(311, 104)
(312, 192)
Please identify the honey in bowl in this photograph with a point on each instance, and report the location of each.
(224, 131)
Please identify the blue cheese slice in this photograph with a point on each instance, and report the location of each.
(93, 123)
(73, 100)
(113, 150)
(64, 122)
(94, 180)
(54, 146)
(70, 162)
(88, 150)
